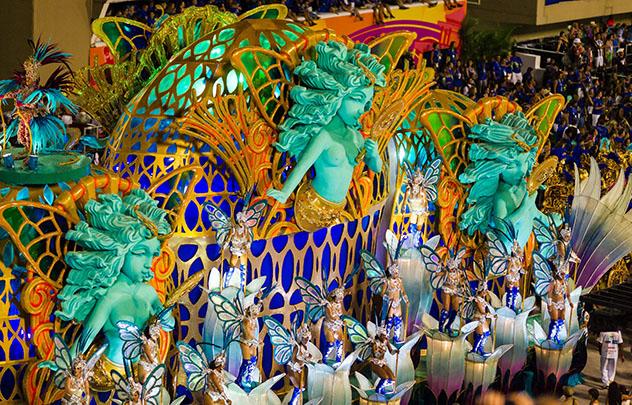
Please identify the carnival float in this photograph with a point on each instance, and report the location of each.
(283, 215)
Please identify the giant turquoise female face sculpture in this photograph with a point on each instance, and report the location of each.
(108, 279)
(322, 129)
(500, 163)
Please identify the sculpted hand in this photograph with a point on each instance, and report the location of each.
(278, 195)
(371, 149)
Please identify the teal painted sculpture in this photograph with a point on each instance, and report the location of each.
(500, 164)
(322, 129)
(108, 279)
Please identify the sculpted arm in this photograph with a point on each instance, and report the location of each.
(307, 159)
(372, 158)
(94, 323)
(157, 306)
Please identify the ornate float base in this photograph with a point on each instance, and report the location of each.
(54, 167)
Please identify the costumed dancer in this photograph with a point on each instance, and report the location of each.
(72, 374)
(131, 392)
(236, 236)
(564, 253)
(556, 246)
(388, 285)
(372, 348)
(292, 350)
(333, 324)
(421, 189)
(149, 359)
(330, 307)
(203, 375)
(240, 319)
(552, 287)
(327, 305)
(144, 346)
(515, 270)
(505, 261)
(478, 309)
(249, 344)
(136, 345)
(34, 124)
(449, 278)
(558, 293)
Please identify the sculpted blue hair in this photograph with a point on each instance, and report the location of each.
(324, 82)
(112, 228)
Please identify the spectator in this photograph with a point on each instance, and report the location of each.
(594, 396)
(610, 342)
(625, 395)
(516, 68)
(569, 396)
(614, 394)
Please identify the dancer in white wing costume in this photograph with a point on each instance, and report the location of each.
(555, 246)
(477, 308)
(291, 349)
(421, 189)
(448, 277)
(387, 284)
(552, 287)
(372, 350)
(72, 374)
(507, 262)
(236, 236)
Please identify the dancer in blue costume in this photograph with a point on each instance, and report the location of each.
(552, 287)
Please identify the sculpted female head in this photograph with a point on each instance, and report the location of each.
(339, 81)
(119, 236)
(503, 157)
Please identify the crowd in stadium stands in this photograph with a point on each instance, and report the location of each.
(592, 74)
(150, 11)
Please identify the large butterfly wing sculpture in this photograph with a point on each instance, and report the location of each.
(498, 254)
(163, 318)
(150, 392)
(195, 365)
(374, 272)
(122, 36)
(282, 340)
(359, 336)
(547, 237)
(122, 388)
(231, 313)
(313, 297)
(152, 386)
(542, 274)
